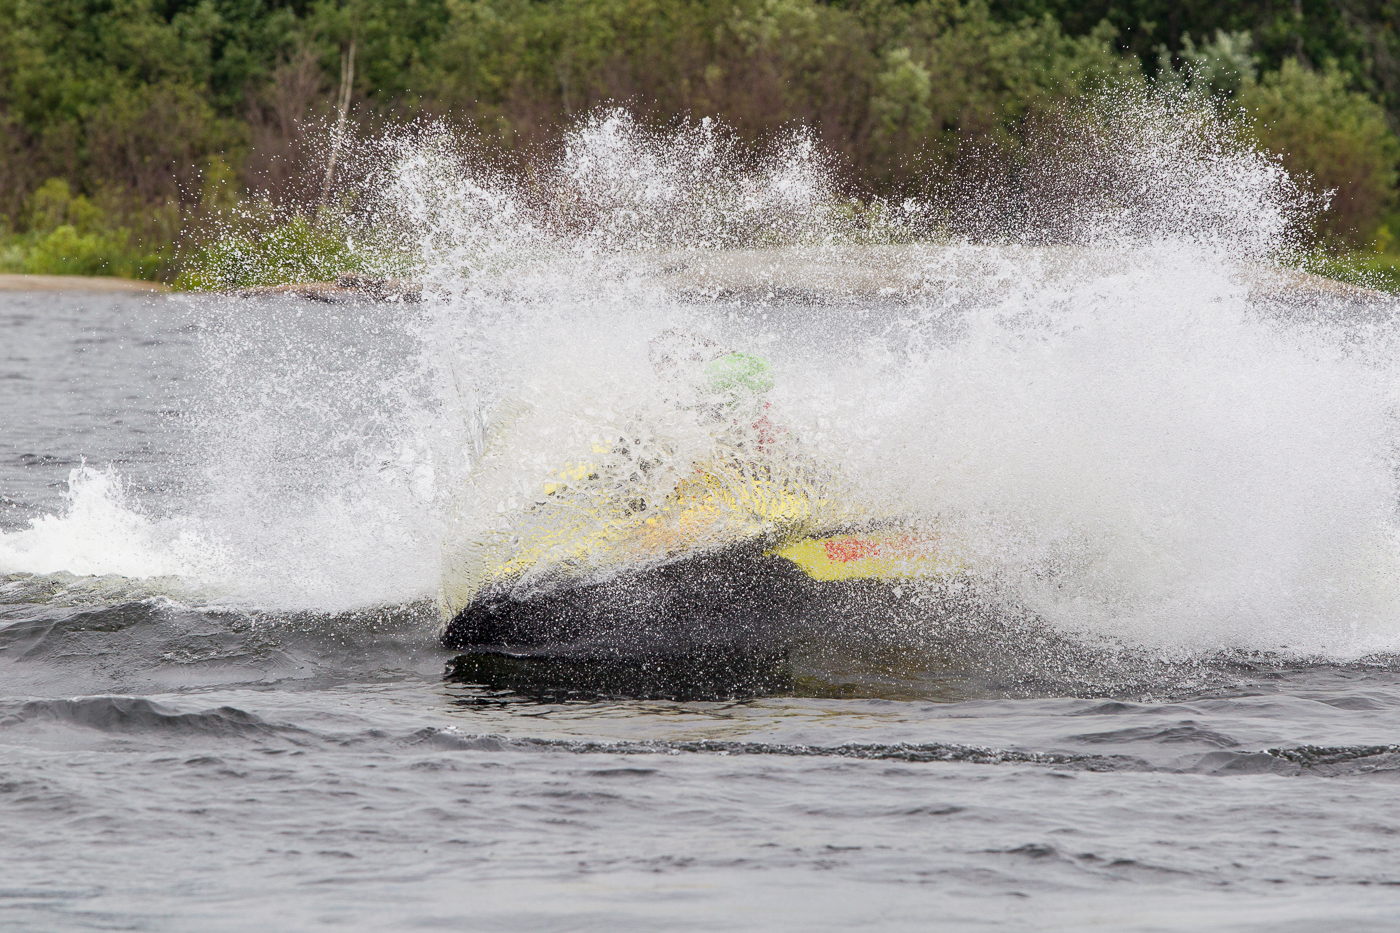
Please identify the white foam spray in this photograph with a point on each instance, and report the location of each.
(101, 533)
(1139, 426)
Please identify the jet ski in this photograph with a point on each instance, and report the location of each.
(614, 559)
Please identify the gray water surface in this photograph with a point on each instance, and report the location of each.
(173, 758)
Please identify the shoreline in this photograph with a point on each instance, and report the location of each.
(747, 273)
(77, 283)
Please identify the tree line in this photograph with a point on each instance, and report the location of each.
(123, 122)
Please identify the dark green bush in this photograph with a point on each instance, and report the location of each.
(1334, 139)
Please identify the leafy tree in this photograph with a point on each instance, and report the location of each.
(1360, 36)
(1336, 139)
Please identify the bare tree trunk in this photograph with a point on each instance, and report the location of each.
(347, 83)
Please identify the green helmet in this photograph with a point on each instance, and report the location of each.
(739, 375)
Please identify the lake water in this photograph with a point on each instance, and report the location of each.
(184, 750)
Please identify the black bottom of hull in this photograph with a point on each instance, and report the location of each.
(712, 675)
(713, 604)
(716, 626)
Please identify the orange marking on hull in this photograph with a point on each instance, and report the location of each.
(845, 550)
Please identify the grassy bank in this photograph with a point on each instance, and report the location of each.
(1380, 271)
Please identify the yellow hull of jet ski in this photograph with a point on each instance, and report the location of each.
(875, 555)
(729, 520)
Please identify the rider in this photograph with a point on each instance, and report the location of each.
(722, 384)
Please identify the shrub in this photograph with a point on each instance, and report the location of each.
(68, 234)
(256, 249)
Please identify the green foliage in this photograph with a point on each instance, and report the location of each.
(1220, 67)
(1336, 139)
(1360, 36)
(54, 206)
(900, 104)
(164, 115)
(1376, 270)
(70, 235)
(261, 250)
(108, 92)
(892, 88)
